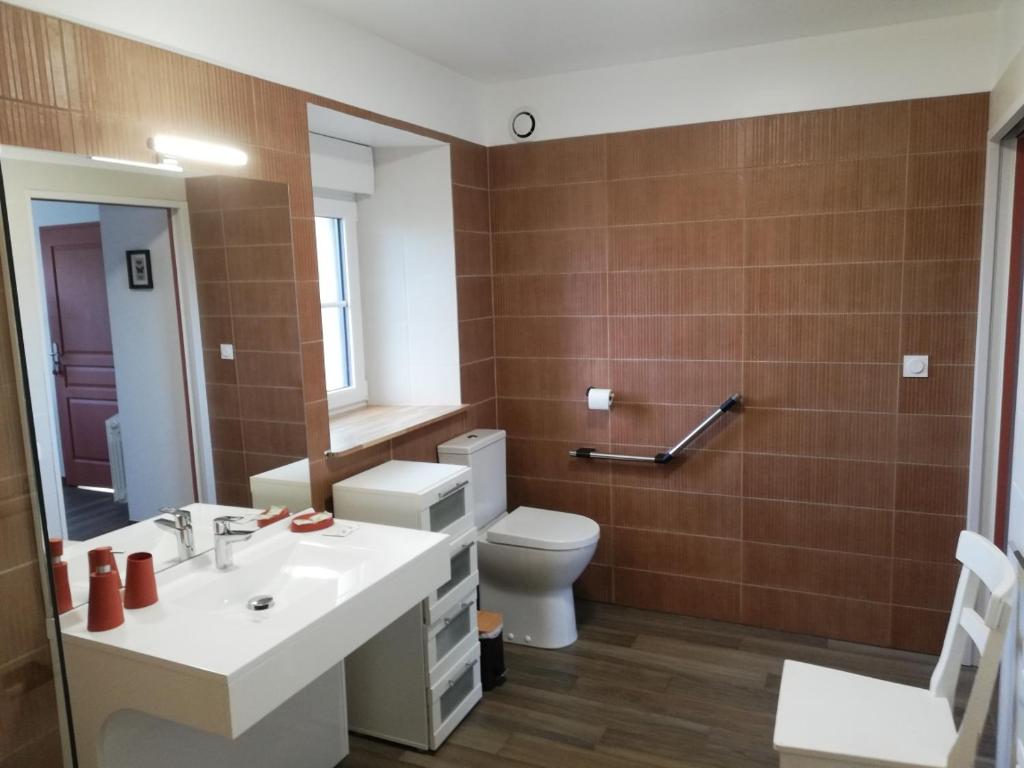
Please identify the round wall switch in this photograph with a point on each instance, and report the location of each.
(915, 366)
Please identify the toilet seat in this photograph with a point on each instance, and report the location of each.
(543, 529)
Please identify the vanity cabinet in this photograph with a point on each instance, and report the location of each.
(415, 681)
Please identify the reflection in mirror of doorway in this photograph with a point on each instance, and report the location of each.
(117, 395)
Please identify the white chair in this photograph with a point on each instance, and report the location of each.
(837, 719)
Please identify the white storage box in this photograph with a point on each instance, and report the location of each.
(285, 486)
(410, 494)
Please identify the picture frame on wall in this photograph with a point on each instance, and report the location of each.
(140, 270)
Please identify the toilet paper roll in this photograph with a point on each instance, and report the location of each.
(599, 399)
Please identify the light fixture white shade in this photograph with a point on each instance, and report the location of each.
(200, 151)
(171, 166)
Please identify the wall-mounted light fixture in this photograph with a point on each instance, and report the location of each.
(182, 148)
(165, 165)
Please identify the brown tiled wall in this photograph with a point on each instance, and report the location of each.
(793, 258)
(473, 277)
(28, 706)
(245, 271)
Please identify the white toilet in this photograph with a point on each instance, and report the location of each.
(529, 558)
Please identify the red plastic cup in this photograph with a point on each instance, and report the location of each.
(105, 608)
(140, 581)
(104, 556)
(62, 586)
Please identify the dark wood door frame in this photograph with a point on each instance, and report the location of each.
(1011, 352)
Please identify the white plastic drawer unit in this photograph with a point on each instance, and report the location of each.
(454, 695)
(464, 576)
(411, 494)
(451, 635)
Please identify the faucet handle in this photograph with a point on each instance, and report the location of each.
(182, 517)
(222, 525)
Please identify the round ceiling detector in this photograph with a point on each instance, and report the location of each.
(523, 124)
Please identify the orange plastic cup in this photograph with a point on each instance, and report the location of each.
(140, 581)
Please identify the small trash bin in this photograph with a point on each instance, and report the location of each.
(492, 649)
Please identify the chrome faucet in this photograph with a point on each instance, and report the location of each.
(180, 525)
(223, 537)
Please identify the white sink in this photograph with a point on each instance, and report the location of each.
(295, 571)
(199, 657)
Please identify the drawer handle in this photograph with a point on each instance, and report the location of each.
(453, 489)
(449, 619)
(466, 665)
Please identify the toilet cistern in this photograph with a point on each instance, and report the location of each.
(180, 525)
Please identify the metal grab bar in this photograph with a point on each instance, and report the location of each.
(671, 453)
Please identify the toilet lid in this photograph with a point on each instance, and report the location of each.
(544, 529)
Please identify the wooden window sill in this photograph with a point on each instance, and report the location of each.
(353, 431)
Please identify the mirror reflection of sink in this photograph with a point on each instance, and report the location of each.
(289, 569)
(144, 536)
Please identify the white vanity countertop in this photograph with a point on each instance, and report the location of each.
(332, 593)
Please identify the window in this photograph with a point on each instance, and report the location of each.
(338, 263)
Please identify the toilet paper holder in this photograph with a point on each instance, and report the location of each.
(671, 453)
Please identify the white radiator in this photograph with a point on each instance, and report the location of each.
(116, 451)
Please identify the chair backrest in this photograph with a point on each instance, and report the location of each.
(984, 565)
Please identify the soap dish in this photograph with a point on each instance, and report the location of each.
(312, 521)
(271, 516)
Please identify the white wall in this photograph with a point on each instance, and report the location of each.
(50, 213)
(930, 58)
(1007, 100)
(407, 266)
(147, 362)
(294, 45)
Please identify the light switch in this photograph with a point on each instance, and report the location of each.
(227, 351)
(915, 366)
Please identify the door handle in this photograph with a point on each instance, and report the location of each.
(55, 365)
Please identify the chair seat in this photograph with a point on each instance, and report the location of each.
(842, 718)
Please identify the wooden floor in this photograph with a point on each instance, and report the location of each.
(641, 688)
(92, 513)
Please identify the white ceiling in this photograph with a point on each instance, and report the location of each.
(504, 40)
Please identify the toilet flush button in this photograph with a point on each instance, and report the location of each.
(915, 366)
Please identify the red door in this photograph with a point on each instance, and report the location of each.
(82, 354)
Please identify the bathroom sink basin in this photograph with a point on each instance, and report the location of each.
(200, 657)
(291, 570)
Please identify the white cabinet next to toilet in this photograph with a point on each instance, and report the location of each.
(415, 681)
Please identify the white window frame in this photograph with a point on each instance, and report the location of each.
(347, 210)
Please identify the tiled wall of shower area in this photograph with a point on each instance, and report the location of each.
(795, 259)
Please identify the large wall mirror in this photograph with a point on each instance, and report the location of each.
(158, 320)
